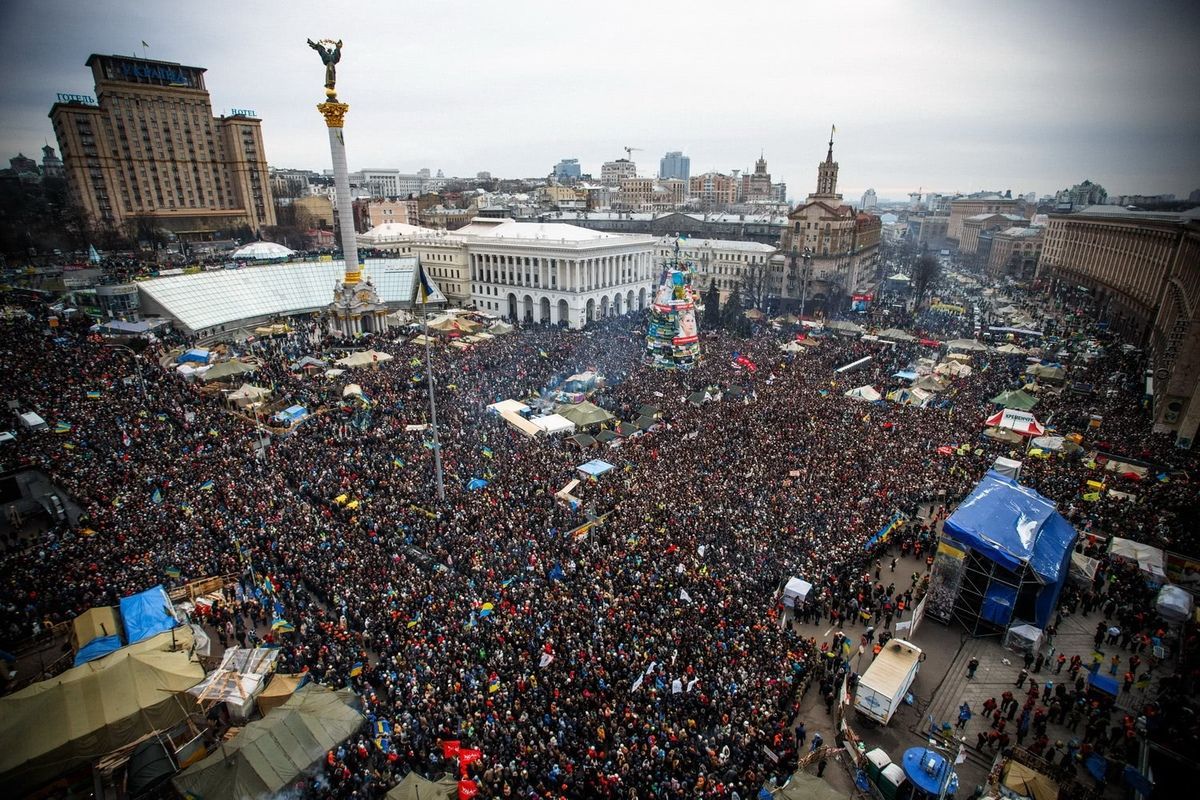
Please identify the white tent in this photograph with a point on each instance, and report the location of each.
(554, 423)
(1173, 603)
(1149, 559)
(865, 393)
(1007, 466)
(263, 251)
(1022, 638)
(363, 358)
(511, 406)
(796, 592)
(793, 347)
(967, 345)
(1051, 444)
(352, 390)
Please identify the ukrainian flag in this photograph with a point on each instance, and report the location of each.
(172, 572)
(93, 395)
(396, 462)
(207, 486)
(424, 287)
(356, 670)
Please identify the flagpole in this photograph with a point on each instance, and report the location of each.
(437, 447)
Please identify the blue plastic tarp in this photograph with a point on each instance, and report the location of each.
(905, 375)
(196, 354)
(1014, 525)
(97, 648)
(998, 603)
(147, 614)
(595, 467)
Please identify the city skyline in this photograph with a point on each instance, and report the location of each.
(920, 105)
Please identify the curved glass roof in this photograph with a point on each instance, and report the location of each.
(205, 299)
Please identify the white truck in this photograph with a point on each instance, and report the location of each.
(882, 688)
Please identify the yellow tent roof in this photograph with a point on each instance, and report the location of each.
(278, 691)
(93, 709)
(99, 621)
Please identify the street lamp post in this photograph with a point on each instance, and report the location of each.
(805, 272)
(137, 367)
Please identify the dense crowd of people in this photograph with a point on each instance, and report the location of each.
(640, 656)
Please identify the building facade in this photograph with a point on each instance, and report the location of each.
(568, 169)
(964, 207)
(976, 224)
(1015, 252)
(713, 190)
(148, 151)
(613, 172)
(651, 194)
(728, 263)
(675, 165)
(1081, 195)
(557, 274)
(869, 200)
(380, 212)
(828, 249)
(756, 187)
(1143, 271)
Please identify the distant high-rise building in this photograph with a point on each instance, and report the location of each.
(675, 165)
(148, 148)
(869, 200)
(713, 190)
(568, 169)
(757, 186)
(483, 175)
(1081, 195)
(613, 172)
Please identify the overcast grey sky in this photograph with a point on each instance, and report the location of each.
(952, 95)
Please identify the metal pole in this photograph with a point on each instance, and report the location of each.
(437, 446)
(137, 367)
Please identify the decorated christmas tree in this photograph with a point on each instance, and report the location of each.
(672, 340)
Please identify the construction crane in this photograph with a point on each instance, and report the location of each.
(629, 152)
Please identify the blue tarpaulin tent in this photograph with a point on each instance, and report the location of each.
(595, 467)
(146, 614)
(197, 354)
(97, 648)
(1006, 525)
(292, 414)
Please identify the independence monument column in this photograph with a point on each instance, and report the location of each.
(334, 112)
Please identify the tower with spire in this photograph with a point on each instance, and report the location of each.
(827, 172)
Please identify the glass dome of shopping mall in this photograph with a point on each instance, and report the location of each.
(206, 302)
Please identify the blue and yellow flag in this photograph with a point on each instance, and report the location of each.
(156, 496)
(424, 287)
(356, 670)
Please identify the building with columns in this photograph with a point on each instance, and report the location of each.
(556, 273)
(1142, 269)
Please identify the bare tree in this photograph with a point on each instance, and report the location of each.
(756, 285)
(925, 275)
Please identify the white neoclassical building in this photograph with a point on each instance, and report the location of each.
(553, 272)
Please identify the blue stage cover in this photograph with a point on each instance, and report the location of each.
(1013, 525)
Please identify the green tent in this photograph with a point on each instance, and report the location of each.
(414, 787)
(226, 369)
(802, 786)
(1015, 398)
(584, 414)
(271, 753)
